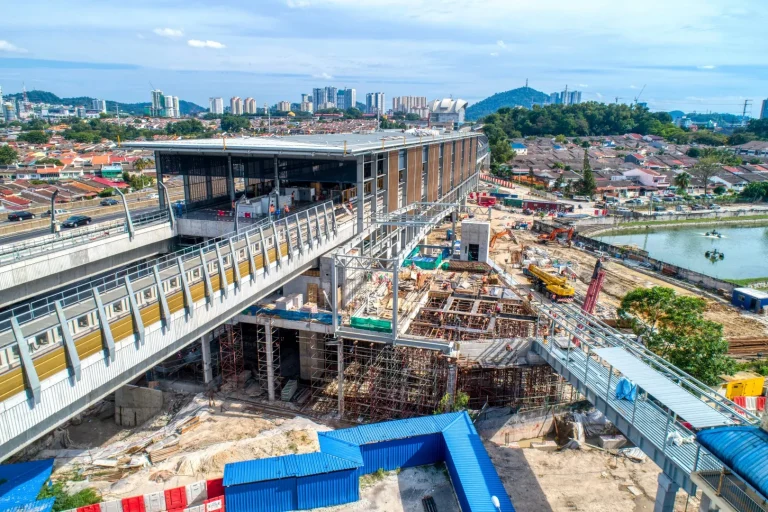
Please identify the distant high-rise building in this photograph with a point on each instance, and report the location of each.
(306, 106)
(168, 106)
(374, 103)
(216, 105)
(236, 106)
(80, 111)
(332, 94)
(157, 103)
(250, 105)
(99, 105)
(9, 112)
(306, 98)
(341, 100)
(574, 97)
(176, 107)
(284, 106)
(347, 98)
(1, 97)
(408, 104)
(319, 97)
(764, 110)
(554, 98)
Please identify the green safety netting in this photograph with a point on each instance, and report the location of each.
(371, 324)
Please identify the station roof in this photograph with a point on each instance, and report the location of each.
(337, 144)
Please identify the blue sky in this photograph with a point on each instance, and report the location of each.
(691, 54)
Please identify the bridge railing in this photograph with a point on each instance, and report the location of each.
(50, 243)
(604, 335)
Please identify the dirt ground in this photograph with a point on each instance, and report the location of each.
(584, 480)
(619, 279)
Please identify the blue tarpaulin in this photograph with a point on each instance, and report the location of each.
(324, 318)
(625, 390)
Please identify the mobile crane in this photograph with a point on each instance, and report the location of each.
(556, 287)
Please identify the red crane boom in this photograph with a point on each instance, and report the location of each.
(593, 292)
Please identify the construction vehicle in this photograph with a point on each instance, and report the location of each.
(486, 201)
(551, 237)
(500, 234)
(741, 384)
(595, 285)
(556, 287)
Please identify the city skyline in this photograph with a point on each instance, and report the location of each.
(701, 57)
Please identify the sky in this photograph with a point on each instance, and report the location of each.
(702, 55)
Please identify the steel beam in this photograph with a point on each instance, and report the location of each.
(309, 231)
(206, 278)
(189, 305)
(278, 255)
(223, 284)
(249, 253)
(69, 345)
(235, 265)
(164, 311)
(106, 331)
(288, 239)
(138, 323)
(27, 366)
(264, 251)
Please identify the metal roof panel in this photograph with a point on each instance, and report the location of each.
(743, 449)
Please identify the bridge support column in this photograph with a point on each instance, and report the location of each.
(205, 343)
(665, 494)
(706, 504)
(270, 364)
(340, 360)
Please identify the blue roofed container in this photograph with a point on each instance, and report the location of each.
(743, 449)
(749, 299)
(22, 483)
(473, 475)
(293, 482)
(398, 444)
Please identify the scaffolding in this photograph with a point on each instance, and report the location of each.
(268, 359)
(230, 353)
(380, 381)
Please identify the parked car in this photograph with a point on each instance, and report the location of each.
(109, 202)
(714, 206)
(17, 216)
(623, 211)
(76, 220)
(656, 199)
(669, 199)
(698, 207)
(659, 208)
(153, 196)
(636, 200)
(57, 211)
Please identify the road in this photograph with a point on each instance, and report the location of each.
(28, 235)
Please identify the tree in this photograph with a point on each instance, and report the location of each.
(719, 190)
(34, 137)
(54, 161)
(107, 192)
(141, 164)
(531, 176)
(8, 155)
(558, 165)
(693, 152)
(234, 124)
(353, 113)
(587, 183)
(412, 117)
(755, 161)
(560, 139)
(683, 181)
(755, 191)
(707, 168)
(674, 327)
(558, 183)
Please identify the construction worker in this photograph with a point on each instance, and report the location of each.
(286, 210)
(271, 211)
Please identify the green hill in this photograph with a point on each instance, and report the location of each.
(187, 107)
(520, 97)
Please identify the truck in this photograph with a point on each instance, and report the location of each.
(486, 201)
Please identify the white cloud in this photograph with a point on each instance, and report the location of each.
(633, 87)
(168, 32)
(501, 44)
(206, 44)
(708, 66)
(582, 85)
(599, 96)
(5, 46)
(495, 54)
(323, 75)
(297, 4)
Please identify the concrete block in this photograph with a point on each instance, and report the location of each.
(547, 446)
(612, 442)
(135, 405)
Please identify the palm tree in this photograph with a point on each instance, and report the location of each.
(683, 181)
(140, 164)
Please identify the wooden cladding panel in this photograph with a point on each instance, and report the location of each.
(393, 180)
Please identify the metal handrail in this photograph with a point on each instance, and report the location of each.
(19, 251)
(46, 305)
(727, 486)
(690, 383)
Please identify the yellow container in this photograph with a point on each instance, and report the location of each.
(742, 384)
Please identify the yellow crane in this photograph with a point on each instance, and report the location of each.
(556, 286)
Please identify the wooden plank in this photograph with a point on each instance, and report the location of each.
(393, 180)
(432, 170)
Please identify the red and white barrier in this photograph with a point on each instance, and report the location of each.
(200, 496)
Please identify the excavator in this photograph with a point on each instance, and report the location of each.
(550, 237)
(556, 287)
(499, 234)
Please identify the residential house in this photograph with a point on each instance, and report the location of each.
(649, 179)
(519, 148)
(635, 158)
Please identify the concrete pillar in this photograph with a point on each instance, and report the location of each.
(230, 179)
(159, 177)
(360, 194)
(277, 183)
(270, 364)
(340, 357)
(665, 494)
(308, 341)
(451, 385)
(706, 504)
(395, 287)
(334, 296)
(207, 369)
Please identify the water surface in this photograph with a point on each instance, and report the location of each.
(745, 249)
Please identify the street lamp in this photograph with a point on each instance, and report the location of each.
(496, 503)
